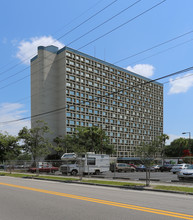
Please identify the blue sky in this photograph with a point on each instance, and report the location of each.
(28, 24)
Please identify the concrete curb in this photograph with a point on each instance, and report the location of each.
(139, 188)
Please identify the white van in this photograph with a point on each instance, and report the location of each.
(89, 163)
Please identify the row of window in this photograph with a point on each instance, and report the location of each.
(99, 82)
(124, 95)
(112, 121)
(98, 65)
(131, 128)
(121, 95)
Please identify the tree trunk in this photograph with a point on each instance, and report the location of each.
(148, 176)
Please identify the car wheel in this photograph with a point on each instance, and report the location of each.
(74, 172)
(174, 172)
(97, 172)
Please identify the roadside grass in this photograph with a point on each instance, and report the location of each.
(175, 188)
(36, 176)
(102, 182)
(15, 174)
(113, 183)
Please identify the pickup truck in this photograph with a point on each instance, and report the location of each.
(43, 169)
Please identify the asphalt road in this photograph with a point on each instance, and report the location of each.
(23, 199)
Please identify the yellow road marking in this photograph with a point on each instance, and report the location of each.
(106, 202)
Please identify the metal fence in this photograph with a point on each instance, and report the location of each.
(60, 167)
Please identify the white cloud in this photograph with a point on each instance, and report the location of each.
(28, 49)
(145, 70)
(181, 85)
(10, 112)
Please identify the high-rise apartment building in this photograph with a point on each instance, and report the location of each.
(71, 89)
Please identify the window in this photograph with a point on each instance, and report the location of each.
(72, 93)
(68, 114)
(71, 122)
(87, 117)
(91, 161)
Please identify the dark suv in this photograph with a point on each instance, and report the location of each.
(166, 167)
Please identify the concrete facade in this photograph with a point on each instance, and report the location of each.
(71, 89)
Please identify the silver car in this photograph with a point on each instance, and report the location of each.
(178, 167)
(186, 173)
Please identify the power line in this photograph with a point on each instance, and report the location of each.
(109, 31)
(93, 6)
(155, 46)
(163, 51)
(158, 45)
(87, 19)
(63, 35)
(103, 22)
(102, 96)
(144, 12)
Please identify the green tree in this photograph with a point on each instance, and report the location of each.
(24, 156)
(34, 140)
(162, 139)
(9, 147)
(176, 147)
(147, 153)
(84, 139)
(63, 145)
(92, 139)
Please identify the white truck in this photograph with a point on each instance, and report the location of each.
(89, 163)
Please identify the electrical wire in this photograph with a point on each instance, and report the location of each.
(144, 12)
(133, 55)
(87, 19)
(163, 51)
(62, 35)
(100, 97)
(102, 35)
(155, 46)
(104, 22)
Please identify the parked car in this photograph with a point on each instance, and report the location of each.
(176, 168)
(122, 167)
(186, 173)
(43, 169)
(141, 168)
(166, 167)
(2, 166)
(133, 165)
(155, 168)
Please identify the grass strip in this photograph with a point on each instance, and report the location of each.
(114, 183)
(175, 188)
(58, 178)
(20, 175)
(16, 174)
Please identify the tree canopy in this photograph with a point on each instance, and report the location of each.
(34, 140)
(85, 139)
(9, 147)
(179, 148)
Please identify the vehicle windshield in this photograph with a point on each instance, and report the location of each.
(190, 167)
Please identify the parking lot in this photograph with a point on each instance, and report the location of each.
(155, 176)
